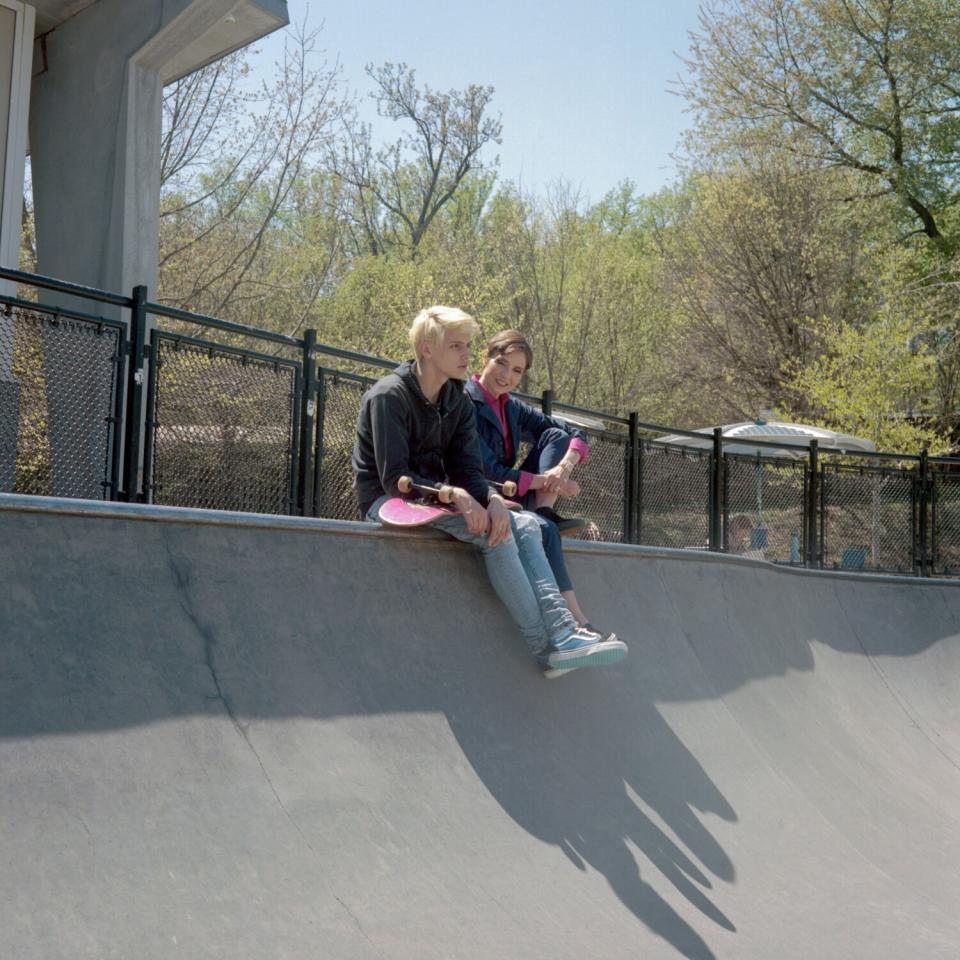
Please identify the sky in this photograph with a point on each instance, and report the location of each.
(582, 87)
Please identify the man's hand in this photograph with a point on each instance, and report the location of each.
(473, 513)
(498, 521)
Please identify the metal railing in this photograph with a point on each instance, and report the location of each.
(132, 400)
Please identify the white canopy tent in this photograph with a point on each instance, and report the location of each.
(795, 438)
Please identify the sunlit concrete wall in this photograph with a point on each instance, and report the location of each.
(16, 45)
(95, 121)
(95, 129)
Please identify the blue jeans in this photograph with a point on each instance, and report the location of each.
(548, 452)
(519, 573)
(553, 548)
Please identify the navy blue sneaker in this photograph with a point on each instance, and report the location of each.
(566, 525)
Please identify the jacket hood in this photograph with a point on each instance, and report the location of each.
(449, 392)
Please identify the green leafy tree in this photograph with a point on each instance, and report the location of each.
(864, 384)
(373, 305)
(871, 86)
(579, 282)
(929, 298)
(752, 261)
(876, 376)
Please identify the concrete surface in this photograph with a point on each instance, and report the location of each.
(95, 126)
(251, 737)
(16, 54)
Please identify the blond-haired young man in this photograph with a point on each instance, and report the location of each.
(417, 421)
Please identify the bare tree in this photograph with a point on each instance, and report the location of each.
(399, 189)
(231, 158)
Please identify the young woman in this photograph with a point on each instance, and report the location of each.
(418, 422)
(503, 423)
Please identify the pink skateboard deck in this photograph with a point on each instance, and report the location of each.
(397, 512)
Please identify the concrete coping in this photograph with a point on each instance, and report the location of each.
(152, 513)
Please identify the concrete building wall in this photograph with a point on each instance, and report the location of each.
(95, 128)
(95, 120)
(8, 27)
(16, 45)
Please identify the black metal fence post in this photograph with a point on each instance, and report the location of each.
(133, 428)
(715, 507)
(631, 511)
(725, 512)
(546, 402)
(305, 494)
(321, 417)
(923, 544)
(638, 527)
(812, 549)
(151, 425)
(119, 406)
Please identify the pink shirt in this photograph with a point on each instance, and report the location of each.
(499, 407)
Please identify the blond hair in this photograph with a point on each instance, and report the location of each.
(432, 323)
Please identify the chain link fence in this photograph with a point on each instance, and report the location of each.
(232, 428)
(674, 496)
(223, 423)
(59, 383)
(340, 406)
(764, 507)
(867, 518)
(603, 482)
(945, 522)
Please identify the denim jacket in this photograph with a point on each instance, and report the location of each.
(524, 422)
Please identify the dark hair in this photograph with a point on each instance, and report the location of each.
(507, 340)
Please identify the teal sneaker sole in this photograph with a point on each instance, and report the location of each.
(599, 655)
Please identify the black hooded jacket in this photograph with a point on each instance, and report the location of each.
(399, 432)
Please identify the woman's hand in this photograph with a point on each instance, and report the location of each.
(498, 521)
(473, 513)
(557, 480)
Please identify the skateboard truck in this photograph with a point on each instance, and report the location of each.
(443, 493)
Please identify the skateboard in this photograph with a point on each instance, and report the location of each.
(398, 512)
(430, 503)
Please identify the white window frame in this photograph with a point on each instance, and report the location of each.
(11, 208)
